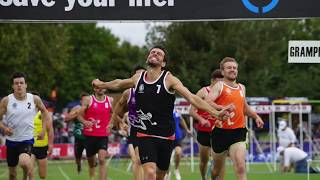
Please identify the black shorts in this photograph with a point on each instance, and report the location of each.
(204, 138)
(133, 140)
(155, 150)
(13, 153)
(222, 139)
(94, 143)
(177, 142)
(79, 146)
(40, 152)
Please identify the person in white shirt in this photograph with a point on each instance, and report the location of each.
(19, 109)
(293, 155)
(286, 136)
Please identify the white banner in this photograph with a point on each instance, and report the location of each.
(304, 52)
(266, 109)
(183, 106)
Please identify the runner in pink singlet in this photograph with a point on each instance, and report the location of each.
(95, 114)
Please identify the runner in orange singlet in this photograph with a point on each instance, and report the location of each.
(230, 135)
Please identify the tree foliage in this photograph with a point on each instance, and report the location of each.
(68, 56)
(63, 56)
(261, 48)
(40, 50)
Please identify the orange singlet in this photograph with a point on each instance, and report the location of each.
(232, 95)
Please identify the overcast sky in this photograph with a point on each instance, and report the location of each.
(135, 33)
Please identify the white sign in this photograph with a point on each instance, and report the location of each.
(182, 106)
(304, 52)
(266, 109)
(56, 151)
(113, 149)
(70, 151)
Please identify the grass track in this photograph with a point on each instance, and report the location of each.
(66, 170)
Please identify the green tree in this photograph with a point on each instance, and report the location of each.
(261, 48)
(39, 50)
(64, 56)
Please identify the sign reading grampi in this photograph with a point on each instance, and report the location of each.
(86, 10)
(304, 52)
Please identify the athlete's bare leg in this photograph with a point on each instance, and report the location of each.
(13, 173)
(139, 162)
(25, 164)
(149, 170)
(237, 154)
(92, 165)
(78, 162)
(32, 166)
(177, 159)
(204, 153)
(102, 154)
(219, 167)
(42, 168)
(136, 164)
(160, 174)
(177, 156)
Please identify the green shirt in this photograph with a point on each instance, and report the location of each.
(77, 130)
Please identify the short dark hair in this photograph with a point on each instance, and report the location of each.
(166, 55)
(136, 68)
(19, 75)
(216, 74)
(82, 94)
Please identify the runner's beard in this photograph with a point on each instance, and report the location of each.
(151, 64)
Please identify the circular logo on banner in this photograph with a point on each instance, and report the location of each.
(255, 9)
